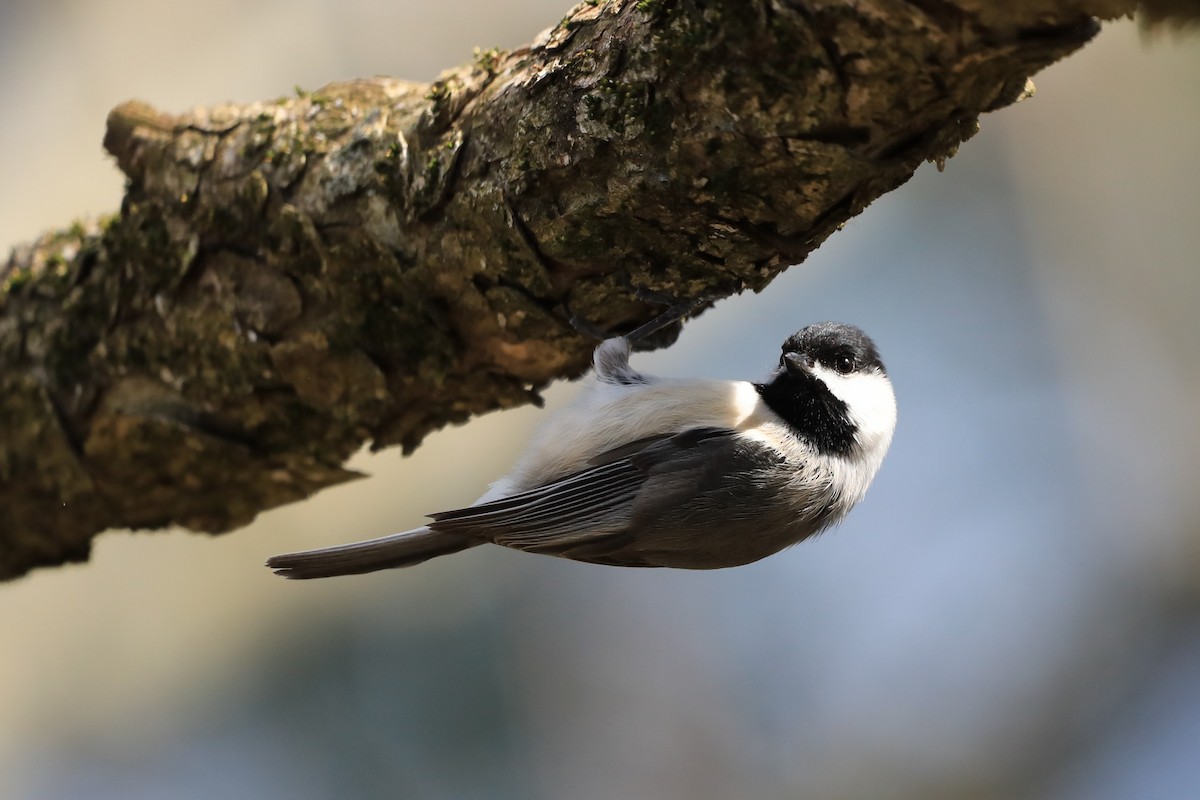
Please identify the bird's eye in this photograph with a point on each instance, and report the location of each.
(844, 364)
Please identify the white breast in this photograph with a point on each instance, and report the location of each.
(606, 415)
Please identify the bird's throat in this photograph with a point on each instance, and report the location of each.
(815, 414)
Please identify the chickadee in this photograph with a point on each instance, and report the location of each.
(672, 472)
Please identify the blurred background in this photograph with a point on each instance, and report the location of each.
(1014, 611)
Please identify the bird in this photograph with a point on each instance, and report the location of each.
(687, 473)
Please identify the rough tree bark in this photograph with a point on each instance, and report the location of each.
(287, 280)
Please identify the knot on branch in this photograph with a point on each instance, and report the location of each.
(129, 126)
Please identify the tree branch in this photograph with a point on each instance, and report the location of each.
(287, 280)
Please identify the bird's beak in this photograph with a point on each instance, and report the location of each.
(797, 363)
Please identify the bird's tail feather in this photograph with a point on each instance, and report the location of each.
(386, 552)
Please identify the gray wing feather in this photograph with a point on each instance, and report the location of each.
(582, 505)
(699, 499)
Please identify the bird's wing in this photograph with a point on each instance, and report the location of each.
(602, 513)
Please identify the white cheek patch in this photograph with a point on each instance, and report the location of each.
(870, 400)
(872, 407)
